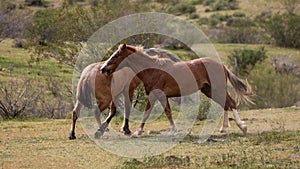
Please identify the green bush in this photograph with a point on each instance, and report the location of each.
(239, 14)
(245, 59)
(273, 89)
(209, 2)
(284, 29)
(183, 8)
(193, 16)
(203, 21)
(218, 5)
(59, 32)
(241, 30)
(196, 2)
(207, 10)
(216, 19)
(240, 22)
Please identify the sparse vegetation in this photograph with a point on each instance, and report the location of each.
(35, 83)
(273, 89)
(272, 142)
(243, 60)
(284, 29)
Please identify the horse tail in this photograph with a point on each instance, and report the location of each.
(84, 92)
(242, 89)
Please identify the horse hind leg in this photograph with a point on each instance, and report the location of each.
(97, 113)
(165, 103)
(75, 115)
(149, 106)
(241, 124)
(230, 103)
(226, 123)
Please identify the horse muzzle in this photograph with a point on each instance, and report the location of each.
(105, 70)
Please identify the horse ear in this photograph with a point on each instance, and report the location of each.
(123, 46)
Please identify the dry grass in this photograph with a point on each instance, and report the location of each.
(251, 8)
(273, 141)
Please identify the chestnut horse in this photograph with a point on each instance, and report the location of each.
(164, 79)
(94, 84)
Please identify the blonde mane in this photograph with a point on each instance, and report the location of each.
(160, 61)
(156, 58)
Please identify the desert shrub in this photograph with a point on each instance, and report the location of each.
(183, 8)
(241, 30)
(236, 28)
(17, 97)
(243, 60)
(213, 21)
(239, 14)
(203, 21)
(55, 100)
(244, 35)
(273, 89)
(30, 98)
(193, 16)
(290, 5)
(284, 29)
(207, 10)
(59, 32)
(13, 23)
(217, 5)
(263, 17)
(197, 2)
(35, 2)
(217, 19)
(240, 22)
(208, 2)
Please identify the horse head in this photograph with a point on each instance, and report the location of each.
(116, 58)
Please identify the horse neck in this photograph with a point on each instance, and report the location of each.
(139, 61)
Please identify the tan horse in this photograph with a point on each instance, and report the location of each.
(94, 84)
(164, 79)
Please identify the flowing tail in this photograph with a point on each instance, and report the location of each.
(84, 92)
(242, 89)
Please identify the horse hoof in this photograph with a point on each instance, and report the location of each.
(72, 136)
(98, 134)
(103, 128)
(127, 132)
(223, 131)
(244, 129)
(136, 134)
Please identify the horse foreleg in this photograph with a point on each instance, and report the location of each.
(239, 122)
(125, 126)
(75, 115)
(226, 123)
(103, 127)
(146, 114)
(165, 103)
